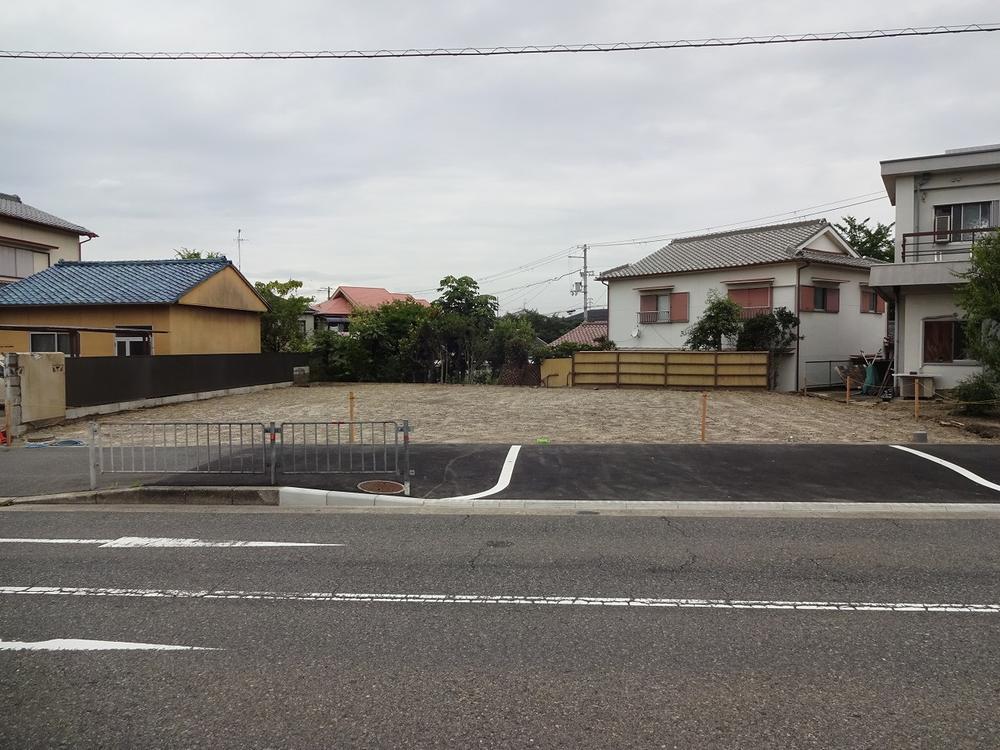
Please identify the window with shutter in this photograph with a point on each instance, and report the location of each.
(679, 303)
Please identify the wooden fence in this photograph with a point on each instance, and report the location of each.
(676, 369)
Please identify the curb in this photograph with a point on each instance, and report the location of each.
(294, 497)
(152, 495)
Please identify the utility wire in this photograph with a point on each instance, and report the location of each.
(743, 41)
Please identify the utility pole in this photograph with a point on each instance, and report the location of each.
(239, 247)
(585, 274)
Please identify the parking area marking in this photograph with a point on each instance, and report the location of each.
(473, 599)
(167, 542)
(971, 476)
(82, 644)
(506, 471)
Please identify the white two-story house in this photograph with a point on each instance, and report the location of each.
(943, 203)
(805, 267)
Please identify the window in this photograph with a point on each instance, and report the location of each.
(50, 342)
(819, 299)
(948, 220)
(131, 343)
(753, 301)
(19, 263)
(871, 302)
(663, 307)
(944, 341)
(302, 326)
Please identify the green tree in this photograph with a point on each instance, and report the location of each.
(279, 327)
(466, 318)
(185, 254)
(391, 336)
(547, 327)
(979, 298)
(511, 342)
(720, 321)
(773, 332)
(869, 242)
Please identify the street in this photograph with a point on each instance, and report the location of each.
(456, 630)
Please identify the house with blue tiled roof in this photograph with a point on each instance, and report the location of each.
(132, 308)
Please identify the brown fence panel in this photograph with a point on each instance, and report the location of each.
(92, 381)
(680, 369)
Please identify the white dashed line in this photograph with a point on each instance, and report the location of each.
(954, 467)
(167, 542)
(80, 644)
(576, 601)
(502, 483)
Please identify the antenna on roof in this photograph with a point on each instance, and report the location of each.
(239, 247)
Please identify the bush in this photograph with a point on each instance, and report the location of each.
(973, 391)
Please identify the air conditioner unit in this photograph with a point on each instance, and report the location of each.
(942, 229)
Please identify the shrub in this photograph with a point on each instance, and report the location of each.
(976, 391)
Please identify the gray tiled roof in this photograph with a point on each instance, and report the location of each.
(743, 247)
(112, 282)
(11, 207)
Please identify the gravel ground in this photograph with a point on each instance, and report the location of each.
(494, 414)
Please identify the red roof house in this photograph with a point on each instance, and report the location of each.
(585, 333)
(346, 300)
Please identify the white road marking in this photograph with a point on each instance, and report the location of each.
(144, 541)
(577, 601)
(502, 483)
(80, 644)
(954, 467)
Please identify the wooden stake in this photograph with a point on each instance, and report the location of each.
(847, 397)
(704, 414)
(350, 412)
(916, 398)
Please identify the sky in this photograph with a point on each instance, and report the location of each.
(397, 173)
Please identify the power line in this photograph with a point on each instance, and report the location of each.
(743, 41)
(750, 222)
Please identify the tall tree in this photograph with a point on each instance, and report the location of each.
(466, 318)
(979, 298)
(279, 327)
(869, 242)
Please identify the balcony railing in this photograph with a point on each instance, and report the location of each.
(654, 316)
(948, 244)
(752, 312)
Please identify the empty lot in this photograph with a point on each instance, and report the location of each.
(494, 414)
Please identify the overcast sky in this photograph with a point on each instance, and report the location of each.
(397, 172)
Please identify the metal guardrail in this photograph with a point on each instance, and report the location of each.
(943, 244)
(264, 449)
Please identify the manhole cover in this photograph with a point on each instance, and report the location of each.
(381, 487)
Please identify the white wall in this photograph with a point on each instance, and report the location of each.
(828, 336)
(917, 305)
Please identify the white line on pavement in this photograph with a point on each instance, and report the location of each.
(506, 471)
(80, 644)
(954, 467)
(143, 541)
(598, 601)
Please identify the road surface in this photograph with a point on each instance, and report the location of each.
(495, 631)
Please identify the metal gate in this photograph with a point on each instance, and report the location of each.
(264, 449)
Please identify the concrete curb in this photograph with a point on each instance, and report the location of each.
(153, 495)
(294, 497)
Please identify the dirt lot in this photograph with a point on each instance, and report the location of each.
(494, 414)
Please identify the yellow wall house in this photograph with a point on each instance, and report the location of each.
(132, 307)
(31, 240)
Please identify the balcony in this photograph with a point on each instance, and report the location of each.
(941, 245)
(752, 312)
(654, 316)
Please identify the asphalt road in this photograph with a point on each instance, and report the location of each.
(375, 671)
(743, 472)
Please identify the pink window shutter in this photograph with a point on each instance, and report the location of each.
(864, 300)
(647, 303)
(679, 307)
(833, 300)
(806, 300)
(879, 304)
(759, 297)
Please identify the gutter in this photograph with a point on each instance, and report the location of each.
(798, 327)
